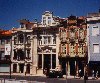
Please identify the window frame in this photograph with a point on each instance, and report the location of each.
(96, 33)
(98, 48)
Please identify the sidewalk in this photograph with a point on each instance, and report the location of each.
(72, 77)
(18, 74)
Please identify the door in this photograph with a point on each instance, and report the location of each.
(47, 61)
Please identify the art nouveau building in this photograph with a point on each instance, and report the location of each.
(22, 45)
(46, 40)
(46, 48)
(73, 45)
(35, 46)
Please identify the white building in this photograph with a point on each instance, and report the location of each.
(35, 46)
(49, 20)
(22, 44)
(45, 48)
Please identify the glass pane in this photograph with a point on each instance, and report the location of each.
(53, 61)
(39, 61)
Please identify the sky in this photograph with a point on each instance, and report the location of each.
(11, 11)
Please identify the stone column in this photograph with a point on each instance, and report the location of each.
(42, 61)
(34, 59)
(77, 73)
(57, 49)
(12, 68)
(66, 69)
(18, 68)
(12, 48)
(68, 65)
(25, 69)
(51, 61)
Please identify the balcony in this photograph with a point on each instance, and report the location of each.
(63, 40)
(72, 40)
(81, 40)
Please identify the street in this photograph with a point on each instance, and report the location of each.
(40, 79)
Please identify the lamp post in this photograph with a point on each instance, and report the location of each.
(66, 72)
(86, 73)
(10, 68)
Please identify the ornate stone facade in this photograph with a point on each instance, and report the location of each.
(73, 45)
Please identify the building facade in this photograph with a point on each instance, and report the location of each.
(22, 45)
(5, 50)
(35, 46)
(93, 24)
(46, 48)
(73, 45)
(48, 19)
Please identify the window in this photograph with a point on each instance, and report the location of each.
(49, 20)
(49, 40)
(53, 61)
(40, 40)
(64, 49)
(15, 55)
(44, 20)
(28, 40)
(40, 61)
(7, 41)
(2, 41)
(21, 39)
(45, 40)
(28, 54)
(15, 40)
(14, 68)
(72, 34)
(22, 25)
(95, 48)
(95, 31)
(54, 40)
(2, 55)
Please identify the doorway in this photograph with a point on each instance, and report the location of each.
(47, 61)
(21, 68)
(28, 68)
(72, 68)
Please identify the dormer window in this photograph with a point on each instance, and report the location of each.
(22, 25)
(44, 20)
(49, 20)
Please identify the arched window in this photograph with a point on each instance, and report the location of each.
(21, 38)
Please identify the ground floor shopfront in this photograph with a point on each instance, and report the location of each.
(21, 68)
(94, 68)
(4, 68)
(46, 61)
(73, 66)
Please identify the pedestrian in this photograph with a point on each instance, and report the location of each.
(80, 73)
(93, 74)
(97, 75)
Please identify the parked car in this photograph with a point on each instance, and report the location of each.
(55, 74)
(52, 74)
